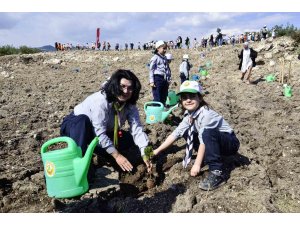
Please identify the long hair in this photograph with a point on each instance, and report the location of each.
(202, 103)
(113, 89)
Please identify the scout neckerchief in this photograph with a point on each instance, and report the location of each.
(117, 121)
(189, 141)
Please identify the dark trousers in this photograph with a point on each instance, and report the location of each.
(81, 130)
(183, 78)
(160, 91)
(217, 144)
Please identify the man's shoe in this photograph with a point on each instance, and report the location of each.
(212, 181)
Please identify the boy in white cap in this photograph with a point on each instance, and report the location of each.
(159, 73)
(204, 125)
(184, 68)
(169, 60)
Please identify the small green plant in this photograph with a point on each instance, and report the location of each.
(148, 152)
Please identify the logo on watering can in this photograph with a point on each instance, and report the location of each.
(152, 118)
(50, 169)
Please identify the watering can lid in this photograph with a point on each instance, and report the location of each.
(190, 87)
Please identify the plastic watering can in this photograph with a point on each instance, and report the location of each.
(155, 112)
(195, 77)
(270, 78)
(65, 169)
(204, 73)
(208, 65)
(287, 91)
(172, 98)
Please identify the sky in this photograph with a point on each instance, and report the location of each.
(36, 29)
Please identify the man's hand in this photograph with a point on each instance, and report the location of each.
(122, 162)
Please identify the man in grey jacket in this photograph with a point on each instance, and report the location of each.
(103, 114)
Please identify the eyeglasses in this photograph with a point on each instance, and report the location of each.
(128, 88)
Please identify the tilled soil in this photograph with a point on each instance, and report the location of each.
(36, 93)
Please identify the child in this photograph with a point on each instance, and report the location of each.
(203, 124)
(169, 58)
(184, 68)
(159, 73)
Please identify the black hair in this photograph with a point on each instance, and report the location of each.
(113, 89)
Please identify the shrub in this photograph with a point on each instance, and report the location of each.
(296, 36)
(26, 50)
(8, 50)
(288, 30)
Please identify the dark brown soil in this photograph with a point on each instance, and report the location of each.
(263, 177)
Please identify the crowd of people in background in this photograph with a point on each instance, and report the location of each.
(210, 41)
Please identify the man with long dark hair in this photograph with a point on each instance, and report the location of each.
(103, 114)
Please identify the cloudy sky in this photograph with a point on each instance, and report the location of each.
(37, 29)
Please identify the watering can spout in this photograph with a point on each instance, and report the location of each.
(82, 164)
(166, 114)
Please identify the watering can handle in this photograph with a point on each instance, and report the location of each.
(71, 143)
(153, 102)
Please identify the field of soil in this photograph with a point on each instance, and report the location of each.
(37, 91)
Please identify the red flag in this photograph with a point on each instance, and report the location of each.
(98, 37)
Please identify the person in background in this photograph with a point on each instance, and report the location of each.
(184, 68)
(169, 58)
(247, 61)
(159, 73)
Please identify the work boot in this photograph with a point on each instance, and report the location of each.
(212, 181)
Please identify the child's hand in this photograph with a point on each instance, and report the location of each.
(195, 170)
(152, 84)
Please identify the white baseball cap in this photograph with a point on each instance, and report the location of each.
(185, 56)
(159, 43)
(190, 87)
(169, 56)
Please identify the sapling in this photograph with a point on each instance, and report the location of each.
(149, 155)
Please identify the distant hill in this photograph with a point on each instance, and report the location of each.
(47, 48)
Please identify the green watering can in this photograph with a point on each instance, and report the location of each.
(287, 91)
(172, 98)
(66, 169)
(155, 112)
(204, 73)
(270, 78)
(208, 65)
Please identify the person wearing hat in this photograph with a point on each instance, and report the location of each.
(247, 61)
(169, 57)
(184, 68)
(159, 73)
(264, 32)
(206, 131)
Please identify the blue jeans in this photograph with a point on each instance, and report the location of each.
(160, 91)
(217, 144)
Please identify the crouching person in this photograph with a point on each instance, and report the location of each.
(103, 114)
(204, 125)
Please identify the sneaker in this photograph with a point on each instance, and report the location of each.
(212, 181)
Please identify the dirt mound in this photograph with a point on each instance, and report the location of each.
(38, 90)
